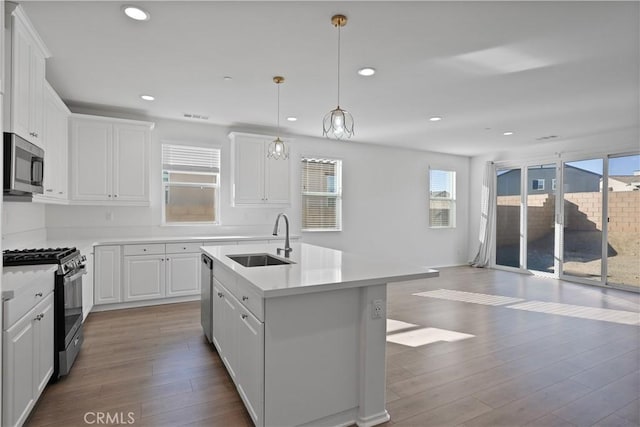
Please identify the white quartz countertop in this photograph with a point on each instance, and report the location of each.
(14, 279)
(315, 269)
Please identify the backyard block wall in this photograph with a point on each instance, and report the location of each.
(582, 213)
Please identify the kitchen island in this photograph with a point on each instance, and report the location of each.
(304, 341)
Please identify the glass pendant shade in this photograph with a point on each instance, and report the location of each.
(278, 150)
(338, 124)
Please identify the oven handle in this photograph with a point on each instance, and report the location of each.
(81, 272)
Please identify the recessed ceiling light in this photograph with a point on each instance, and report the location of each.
(367, 71)
(147, 97)
(292, 119)
(227, 78)
(435, 119)
(134, 12)
(508, 133)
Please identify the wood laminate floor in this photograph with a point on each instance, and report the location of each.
(511, 367)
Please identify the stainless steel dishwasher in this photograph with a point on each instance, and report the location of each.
(206, 301)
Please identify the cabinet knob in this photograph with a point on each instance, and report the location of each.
(168, 259)
(60, 192)
(39, 294)
(115, 195)
(144, 250)
(244, 316)
(109, 195)
(161, 259)
(244, 298)
(39, 317)
(220, 294)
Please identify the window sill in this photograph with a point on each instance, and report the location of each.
(188, 224)
(442, 227)
(319, 230)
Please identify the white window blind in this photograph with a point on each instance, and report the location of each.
(321, 194)
(190, 180)
(442, 198)
(188, 158)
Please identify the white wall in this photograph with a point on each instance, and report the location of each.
(385, 200)
(621, 141)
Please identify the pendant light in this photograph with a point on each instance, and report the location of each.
(338, 123)
(277, 149)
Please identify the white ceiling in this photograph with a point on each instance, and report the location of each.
(569, 69)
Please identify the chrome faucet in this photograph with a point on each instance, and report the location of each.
(287, 246)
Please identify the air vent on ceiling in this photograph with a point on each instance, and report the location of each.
(196, 116)
(546, 138)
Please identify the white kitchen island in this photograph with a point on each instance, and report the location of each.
(305, 342)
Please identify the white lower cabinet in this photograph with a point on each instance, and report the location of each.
(239, 337)
(144, 277)
(250, 363)
(183, 274)
(107, 274)
(27, 361)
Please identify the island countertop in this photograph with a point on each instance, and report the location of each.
(314, 269)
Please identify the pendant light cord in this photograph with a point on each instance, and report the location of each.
(339, 65)
(278, 110)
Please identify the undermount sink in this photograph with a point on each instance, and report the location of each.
(258, 260)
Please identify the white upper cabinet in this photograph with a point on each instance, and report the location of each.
(26, 72)
(56, 148)
(258, 180)
(109, 161)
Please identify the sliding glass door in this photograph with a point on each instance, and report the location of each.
(582, 224)
(577, 220)
(623, 228)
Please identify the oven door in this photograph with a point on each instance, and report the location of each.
(72, 283)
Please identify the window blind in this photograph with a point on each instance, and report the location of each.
(321, 194)
(190, 159)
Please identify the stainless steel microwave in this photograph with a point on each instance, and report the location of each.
(23, 166)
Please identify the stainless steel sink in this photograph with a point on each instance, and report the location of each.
(258, 260)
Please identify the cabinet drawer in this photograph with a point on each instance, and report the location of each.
(250, 298)
(154, 249)
(178, 248)
(226, 277)
(28, 295)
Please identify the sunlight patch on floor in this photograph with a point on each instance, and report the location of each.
(424, 336)
(592, 313)
(471, 297)
(398, 325)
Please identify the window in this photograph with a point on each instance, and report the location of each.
(321, 194)
(442, 198)
(553, 184)
(537, 184)
(190, 183)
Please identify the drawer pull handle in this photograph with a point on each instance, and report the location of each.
(220, 294)
(245, 298)
(39, 317)
(144, 250)
(39, 294)
(244, 316)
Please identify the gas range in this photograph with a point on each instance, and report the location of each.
(68, 259)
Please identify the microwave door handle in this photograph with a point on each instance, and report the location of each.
(37, 170)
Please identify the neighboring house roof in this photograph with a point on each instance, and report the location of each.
(553, 167)
(627, 179)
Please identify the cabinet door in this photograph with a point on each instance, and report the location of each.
(62, 152)
(218, 317)
(183, 274)
(249, 155)
(50, 143)
(107, 274)
(36, 93)
(21, 81)
(131, 162)
(229, 325)
(144, 277)
(43, 334)
(250, 363)
(277, 181)
(18, 376)
(91, 156)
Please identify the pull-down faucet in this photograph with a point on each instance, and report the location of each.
(287, 246)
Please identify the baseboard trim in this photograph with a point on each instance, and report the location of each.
(136, 304)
